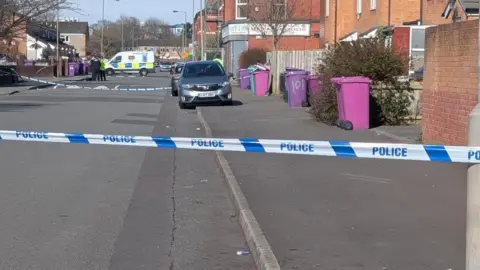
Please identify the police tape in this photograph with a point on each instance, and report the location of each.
(435, 153)
(74, 86)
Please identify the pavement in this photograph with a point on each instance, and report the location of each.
(334, 213)
(65, 206)
(404, 134)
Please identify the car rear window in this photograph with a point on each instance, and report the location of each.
(164, 63)
(203, 69)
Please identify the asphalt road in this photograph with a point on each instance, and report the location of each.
(114, 82)
(65, 206)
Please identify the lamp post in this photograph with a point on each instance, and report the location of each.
(193, 30)
(184, 34)
(58, 39)
(202, 55)
(103, 27)
(122, 37)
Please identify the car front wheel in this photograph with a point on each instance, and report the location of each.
(143, 72)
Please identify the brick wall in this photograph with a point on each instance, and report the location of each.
(432, 10)
(401, 44)
(450, 82)
(348, 21)
(79, 42)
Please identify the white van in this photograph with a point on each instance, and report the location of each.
(142, 62)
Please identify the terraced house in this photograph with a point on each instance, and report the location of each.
(319, 23)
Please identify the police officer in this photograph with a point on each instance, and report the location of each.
(95, 67)
(103, 65)
(218, 59)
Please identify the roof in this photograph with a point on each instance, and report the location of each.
(73, 27)
(371, 32)
(470, 7)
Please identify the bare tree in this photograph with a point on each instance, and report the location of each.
(154, 28)
(16, 14)
(272, 19)
(153, 32)
(111, 39)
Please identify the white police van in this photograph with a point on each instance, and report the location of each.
(142, 62)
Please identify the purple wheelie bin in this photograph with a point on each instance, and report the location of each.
(313, 87)
(353, 97)
(244, 75)
(71, 69)
(295, 83)
(261, 78)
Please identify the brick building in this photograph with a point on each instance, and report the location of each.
(76, 34)
(211, 24)
(241, 24)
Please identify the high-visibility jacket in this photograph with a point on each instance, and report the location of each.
(218, 60)
(103, 64)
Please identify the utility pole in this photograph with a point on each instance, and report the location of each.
(193, 30)
(473, 185)
(103, 27)
(133, 37)
(202, 55)
(58, 41)
(123, 40)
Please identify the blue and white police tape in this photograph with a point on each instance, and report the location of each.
(436, 153)
(73, 86)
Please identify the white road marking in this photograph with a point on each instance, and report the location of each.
(101, 87)
(368, 178)
(116, 87)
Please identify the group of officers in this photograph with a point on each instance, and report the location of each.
(98, 68)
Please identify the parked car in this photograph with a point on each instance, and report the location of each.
(164, 66)
(174, 65)
(204, 82)
(175, 77)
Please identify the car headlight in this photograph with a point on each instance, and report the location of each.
(187, 86)
(224, 84)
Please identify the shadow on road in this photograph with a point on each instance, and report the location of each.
(234, 103)
(19, 107)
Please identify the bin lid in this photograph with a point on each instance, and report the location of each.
(296, 72)
(354, 79)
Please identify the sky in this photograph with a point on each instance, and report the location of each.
(161, 9)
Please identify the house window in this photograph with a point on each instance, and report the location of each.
(242, 9)
(359, 6)
(65, 38)
(280, 12)
(373, 4)
(417, 46)
(327, 8)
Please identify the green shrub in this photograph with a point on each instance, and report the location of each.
(371, 58)
(251, 57)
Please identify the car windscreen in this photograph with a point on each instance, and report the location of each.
(203, 70)
(164, 63)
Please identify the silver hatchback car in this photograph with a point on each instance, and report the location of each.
(204, 82)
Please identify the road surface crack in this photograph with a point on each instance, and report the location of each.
(174, 210)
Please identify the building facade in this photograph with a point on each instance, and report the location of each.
(244, 27)
(76, 34)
